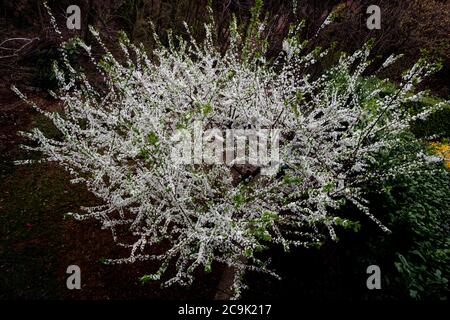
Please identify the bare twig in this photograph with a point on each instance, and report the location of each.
(15, 51)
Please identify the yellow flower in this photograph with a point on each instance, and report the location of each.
(442, 150)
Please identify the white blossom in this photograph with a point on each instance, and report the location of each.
(117, 138)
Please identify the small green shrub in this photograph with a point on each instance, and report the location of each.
(417, 210)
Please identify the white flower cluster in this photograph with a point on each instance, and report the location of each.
(116, 139)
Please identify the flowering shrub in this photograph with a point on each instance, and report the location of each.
(117, 139)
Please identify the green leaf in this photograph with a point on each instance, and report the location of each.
(206, 109)
(248, 252)
(152, 138)
(145, 278)
(269, 216)
(291, 180)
